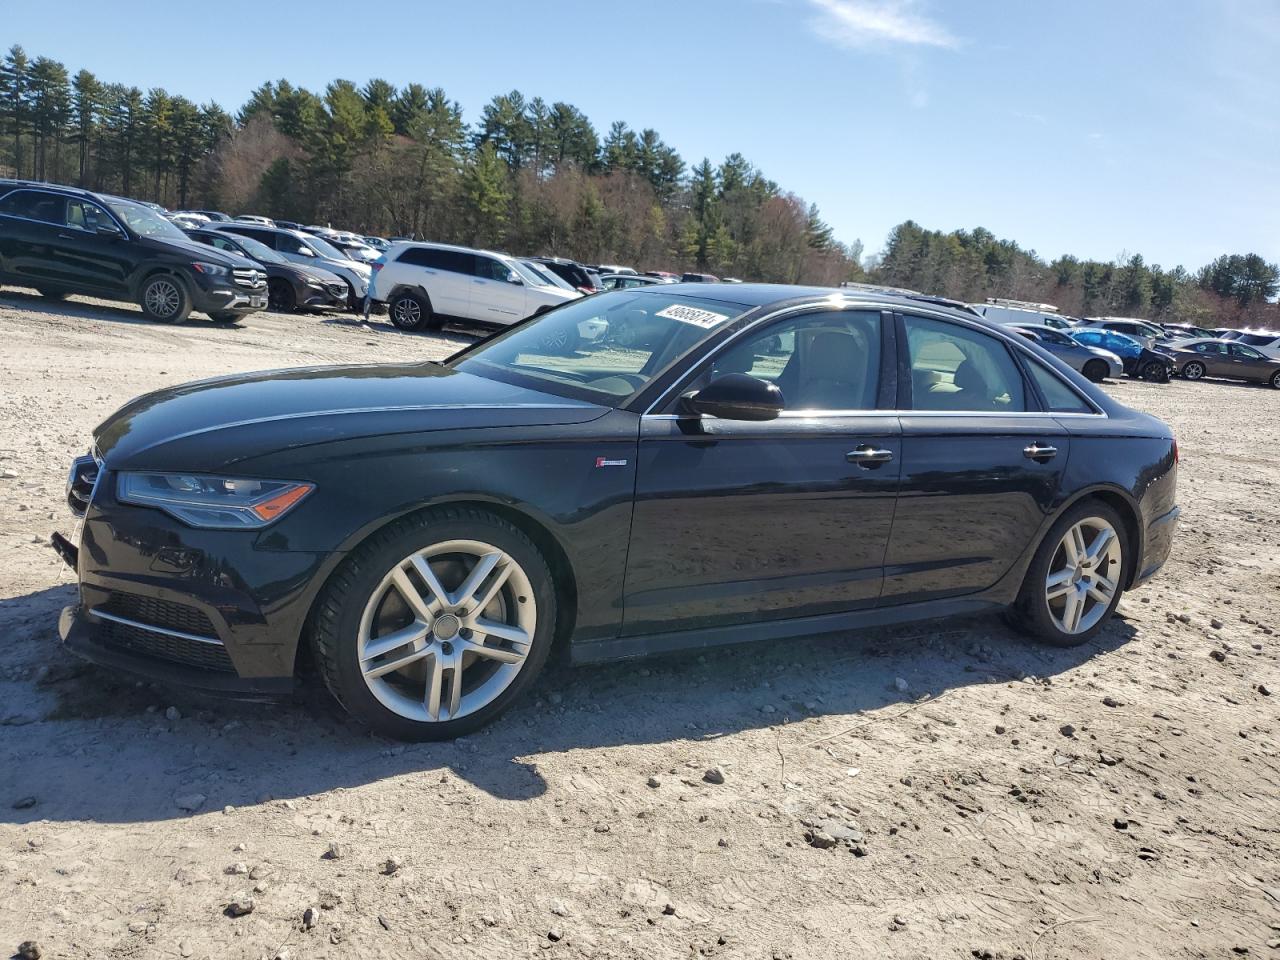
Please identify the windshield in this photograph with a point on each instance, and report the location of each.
(528, 274)
(259, 251)
(545, 277)
(605, 348)
(145, 222)
(326, 249)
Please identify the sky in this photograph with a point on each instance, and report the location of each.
(1095, 127)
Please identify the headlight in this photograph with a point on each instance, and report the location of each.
(313, 282)
(362, 270)
(211, 269)
(218, 503)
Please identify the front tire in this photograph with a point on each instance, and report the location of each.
(1095, 371)
(433, 627)
(1193, 370)
(1275, 380)
(409, 311)
(280, 296)
(165, 299)
(1155, 372)
(1076, 578)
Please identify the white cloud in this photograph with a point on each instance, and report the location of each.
(859, 23)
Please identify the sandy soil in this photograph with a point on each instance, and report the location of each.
(1118, 800)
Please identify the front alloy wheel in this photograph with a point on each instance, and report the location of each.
(447, 630)
(1275, 379)
(165, 299)
(435, 625)
(1193, 370)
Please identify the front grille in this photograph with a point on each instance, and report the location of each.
(191, 653)
(247, 277)
(167, 615)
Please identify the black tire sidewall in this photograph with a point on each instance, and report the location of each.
(369, 566)
(1031, 612)
(286, 301)
(424, 316)
(184, 301)
(1093, 366)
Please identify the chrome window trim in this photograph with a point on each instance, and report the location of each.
(164, 631)
(812, 414)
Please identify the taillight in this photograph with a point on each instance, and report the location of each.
(1176, 458)
(587, 289)
(377, 266)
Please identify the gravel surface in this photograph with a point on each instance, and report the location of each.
(938, 790)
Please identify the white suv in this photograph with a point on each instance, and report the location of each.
(1265, 342)
(425, 284)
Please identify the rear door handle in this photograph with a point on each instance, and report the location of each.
(1039, 453)
(866, 455)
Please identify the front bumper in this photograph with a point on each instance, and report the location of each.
(228, 299)
(219, 611)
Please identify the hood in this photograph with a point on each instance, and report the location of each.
(316, 273)
(205, 253)
(206, 425)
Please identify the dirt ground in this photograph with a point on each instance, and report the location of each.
(988, 797)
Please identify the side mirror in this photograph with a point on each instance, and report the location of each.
(736, 396)
(109, 230)
(513, 277)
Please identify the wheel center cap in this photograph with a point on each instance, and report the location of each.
(446, 626)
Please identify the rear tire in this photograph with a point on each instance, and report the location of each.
(1095, 371)
(164, 298)
(54, 294)
(280, 296)
(1048, 618)
(409, 311)
(439, 670)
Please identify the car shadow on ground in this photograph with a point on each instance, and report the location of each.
(86, 743)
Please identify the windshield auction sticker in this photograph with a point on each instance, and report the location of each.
(694, 315)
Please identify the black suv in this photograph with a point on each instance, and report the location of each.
(575, 273)
(63, 240)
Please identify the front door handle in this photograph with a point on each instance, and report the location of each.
(865, 455)
(1039, 452)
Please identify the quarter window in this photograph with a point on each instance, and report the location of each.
(828, 361)
(33, 205)
(1058, 396)
(957, 369)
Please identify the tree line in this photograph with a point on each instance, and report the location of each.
(535, 177)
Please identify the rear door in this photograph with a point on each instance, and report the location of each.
(494, 297)
(446, 276)
(739, 522)
(30, 221)
(982, 464)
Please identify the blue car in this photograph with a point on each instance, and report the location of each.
(1139, 361)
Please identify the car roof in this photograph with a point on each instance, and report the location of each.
(1037, 327)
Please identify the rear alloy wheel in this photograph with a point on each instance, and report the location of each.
(165, 299)
(280, 296)
(1076, 578)
(432, 629)
(1095, 371)
(1193, 370)
(408, 311)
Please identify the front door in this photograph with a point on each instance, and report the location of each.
(494, 297)
(737, 522)
(89, 257)
(981, 468)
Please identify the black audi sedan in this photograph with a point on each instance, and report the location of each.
(763, 463)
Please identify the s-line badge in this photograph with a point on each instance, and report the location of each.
(606, 462)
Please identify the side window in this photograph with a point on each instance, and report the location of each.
(455, 261)
(1247, 352)
(1058, 396)
(415, 257)
(83, 215)
(490, 269)
(955, 368)
(1218, 349)
(1060, 339)
(827, 361)
(286, 243)
(1088, 338)
(33, 205)
(223, 244)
